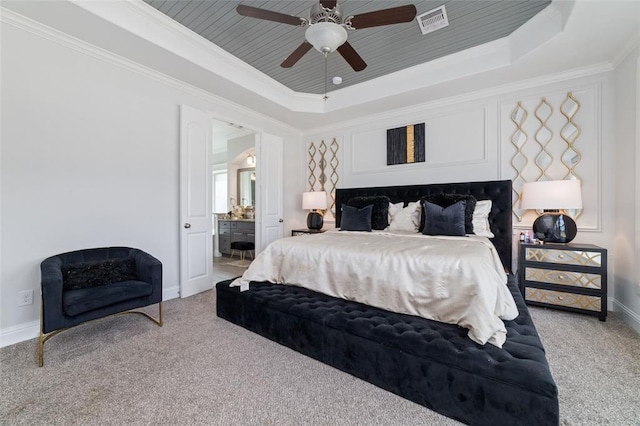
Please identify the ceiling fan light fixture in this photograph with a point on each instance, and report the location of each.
(326, 37)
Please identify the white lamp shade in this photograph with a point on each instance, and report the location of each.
(316, 200)
(551, 195)
(326, 37)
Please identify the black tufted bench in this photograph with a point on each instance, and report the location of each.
(431, 363)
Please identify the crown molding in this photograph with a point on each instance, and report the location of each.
(142, 20)
(148, 23)
(36, 28)
(629, 47)
(469, 97)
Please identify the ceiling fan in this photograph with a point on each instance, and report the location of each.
(327, 28)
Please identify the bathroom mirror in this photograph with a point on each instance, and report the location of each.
(247, 186)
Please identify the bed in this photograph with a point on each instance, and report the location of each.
(429, 362)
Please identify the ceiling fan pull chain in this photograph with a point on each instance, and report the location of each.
(326, 76)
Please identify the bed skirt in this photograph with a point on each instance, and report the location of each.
(428, 362)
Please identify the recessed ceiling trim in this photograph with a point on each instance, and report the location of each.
(152, 25)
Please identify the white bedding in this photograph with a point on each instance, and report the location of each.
(456, 280)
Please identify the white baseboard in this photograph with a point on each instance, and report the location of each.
(628, 316)
(19, 333)
(170, 293)
(29, 330)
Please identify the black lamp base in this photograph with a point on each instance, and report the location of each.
(314, 220)
(555, 228)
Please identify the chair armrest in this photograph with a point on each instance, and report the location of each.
(149, 269)
(51, 286)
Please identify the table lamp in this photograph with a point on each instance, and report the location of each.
(314, 201)
(552, 196)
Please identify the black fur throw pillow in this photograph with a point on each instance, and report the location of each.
(380, 213)
(93, 274)
(446, 200)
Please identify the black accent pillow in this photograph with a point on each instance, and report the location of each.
(445, 200)
(444, 220)
(355, 219)
(95, 274)
(380, 212)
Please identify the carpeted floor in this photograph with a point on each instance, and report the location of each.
(199, 369)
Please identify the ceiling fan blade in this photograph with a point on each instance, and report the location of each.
(351, 56)
(296, 55)
(328, 4)
(255, 12)
(378, 18)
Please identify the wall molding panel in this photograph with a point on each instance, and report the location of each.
(453, 139)
(566, 131)
(80, 46)
(323, 174)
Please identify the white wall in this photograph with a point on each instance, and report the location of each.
(89, 158)
(625, 280)
(468, 139)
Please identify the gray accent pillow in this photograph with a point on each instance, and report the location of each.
(444, 220)
(355, 219)
(445, 200)
(380, 212)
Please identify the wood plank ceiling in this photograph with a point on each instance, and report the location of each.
(265, 44)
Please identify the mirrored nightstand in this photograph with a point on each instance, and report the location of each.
(571, 277)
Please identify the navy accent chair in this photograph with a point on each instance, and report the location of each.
(85, 285)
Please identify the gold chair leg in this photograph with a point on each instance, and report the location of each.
(41, 349)
(44, 337)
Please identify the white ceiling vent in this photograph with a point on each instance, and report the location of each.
(433, 20)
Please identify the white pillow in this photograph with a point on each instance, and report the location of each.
(480, 219)
(404, 219)
(394, 209)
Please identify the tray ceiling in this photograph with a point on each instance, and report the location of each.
(265, 44)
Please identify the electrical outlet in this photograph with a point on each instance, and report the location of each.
(25, 298)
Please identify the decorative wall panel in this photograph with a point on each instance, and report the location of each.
(569, 133)
(559, 140)
(323, 169)
(543, 136)
(519, 160)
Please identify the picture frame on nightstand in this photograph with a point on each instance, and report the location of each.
(570, 277)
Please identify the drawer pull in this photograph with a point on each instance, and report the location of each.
(561, 277)
(561, 256)
(560, 298)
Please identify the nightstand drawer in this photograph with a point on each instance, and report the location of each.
(574, 279)
(567, 257)
(560, 298)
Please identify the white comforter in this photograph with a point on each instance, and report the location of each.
(456, 280)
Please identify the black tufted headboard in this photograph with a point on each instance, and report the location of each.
(499, 192)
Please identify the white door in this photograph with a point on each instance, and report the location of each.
(269, 197)
(196, 251)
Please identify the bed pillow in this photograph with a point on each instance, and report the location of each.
(444, 220)
(394, 209)
(355, 219)
(404, 218)
(481, 225)
(445, 200)
(380, 212)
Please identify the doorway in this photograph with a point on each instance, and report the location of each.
(233, 154)
(196, 194)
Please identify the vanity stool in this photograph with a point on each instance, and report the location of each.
(242, 247)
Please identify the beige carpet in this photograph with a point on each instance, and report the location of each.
(199, 369)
